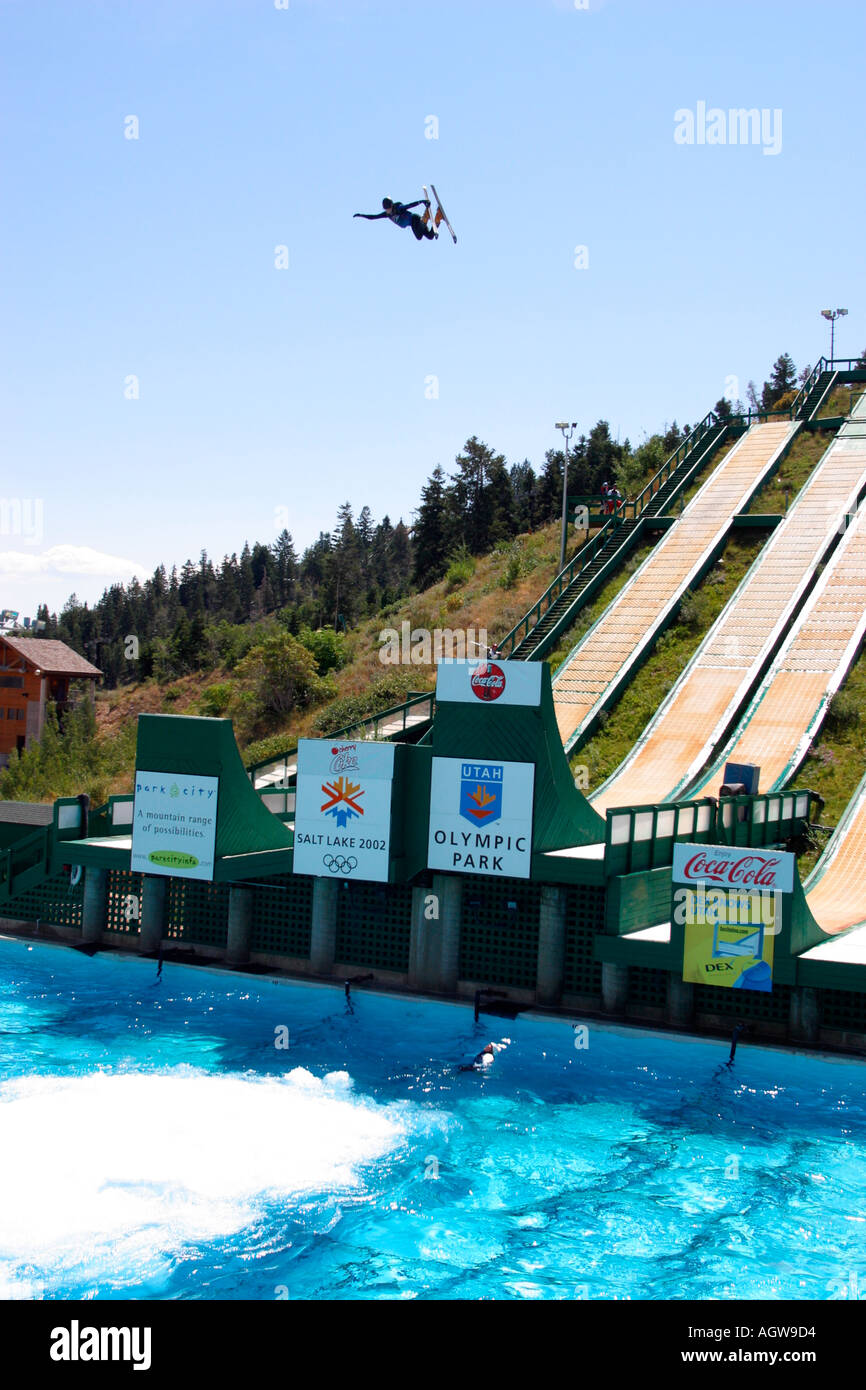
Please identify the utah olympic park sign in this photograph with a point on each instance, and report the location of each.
(343, 809)
(481, 809)
(481, 817)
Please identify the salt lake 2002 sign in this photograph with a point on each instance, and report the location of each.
(481, 817)
(343, 809)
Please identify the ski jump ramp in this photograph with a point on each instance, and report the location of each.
(783, 718)
(605, 660)
(695, 720)
(785, 715)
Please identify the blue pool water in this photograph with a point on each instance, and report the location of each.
(156, 1143)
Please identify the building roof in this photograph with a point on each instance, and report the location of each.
(54, 658)
(26, 812)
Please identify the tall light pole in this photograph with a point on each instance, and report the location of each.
(833, 315)
(567, 432)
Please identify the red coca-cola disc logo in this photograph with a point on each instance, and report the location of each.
(487, 681)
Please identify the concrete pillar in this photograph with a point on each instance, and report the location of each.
(94, 919)
(805, 1014)
(323, 938)
(154, 909)
(551, 944)
(434, 942)
(449, 890)
(240, 924)
(680, 1001)
(420, 931)
(614, 987)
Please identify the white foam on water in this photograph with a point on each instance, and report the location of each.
(114, 1173)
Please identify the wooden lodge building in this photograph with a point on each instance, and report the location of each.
(34, 670)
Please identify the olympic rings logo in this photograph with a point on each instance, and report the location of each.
(340, 863)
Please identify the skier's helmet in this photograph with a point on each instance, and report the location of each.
(387, 204)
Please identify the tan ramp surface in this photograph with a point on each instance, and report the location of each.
(783, 718)
(694, 721)
(615, 644)
(788, 710)
(836, 891)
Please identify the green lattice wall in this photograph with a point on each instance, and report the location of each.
(124, 902)
(499, 942)
(373, 924)
(198, 912)
(584, 917)
(647, 988)
(54, 901)
(745, 1003)
(840, 1008)
(282, 913)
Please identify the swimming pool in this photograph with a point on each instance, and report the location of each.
(158, 1143)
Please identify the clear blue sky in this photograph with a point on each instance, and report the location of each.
(265, 389)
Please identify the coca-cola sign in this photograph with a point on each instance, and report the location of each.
(490, 681)
(487, 681)
(727, 866)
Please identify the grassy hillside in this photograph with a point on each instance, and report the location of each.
(623, 725)
(482, 597)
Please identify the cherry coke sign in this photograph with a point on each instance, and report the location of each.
(734, 867)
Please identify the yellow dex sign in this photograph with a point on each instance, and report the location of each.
(729, 902)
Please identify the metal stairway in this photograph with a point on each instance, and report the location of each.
(534, 636)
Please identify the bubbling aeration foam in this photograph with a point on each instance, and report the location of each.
(114, 1171)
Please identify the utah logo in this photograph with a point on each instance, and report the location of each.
(481, 793)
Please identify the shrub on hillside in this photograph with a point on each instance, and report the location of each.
(513, 568)
(215, 700)
(634, 471)
(67, 761)
(460, 570)
(843, 713)
(390, 689)
(282, 675)
(327, 646)
(690, 610)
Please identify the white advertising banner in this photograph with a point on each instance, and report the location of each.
(489, 682)
(343, 809)
(174, 822)
(481, 817)
(734, 866)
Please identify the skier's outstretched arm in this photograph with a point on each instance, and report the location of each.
(370, 216)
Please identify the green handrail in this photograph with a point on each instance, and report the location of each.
(811, 380)
(710, 422)
(643, 837)
(34, 849)
(588, 552)
(365, 722)
(566, 576)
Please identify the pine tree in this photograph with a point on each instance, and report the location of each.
(523, 482)
(471, 496)
(432, 532)
(344, 571)
(286, 567)
(783, 378)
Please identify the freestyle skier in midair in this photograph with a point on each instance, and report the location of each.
(402, 215)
